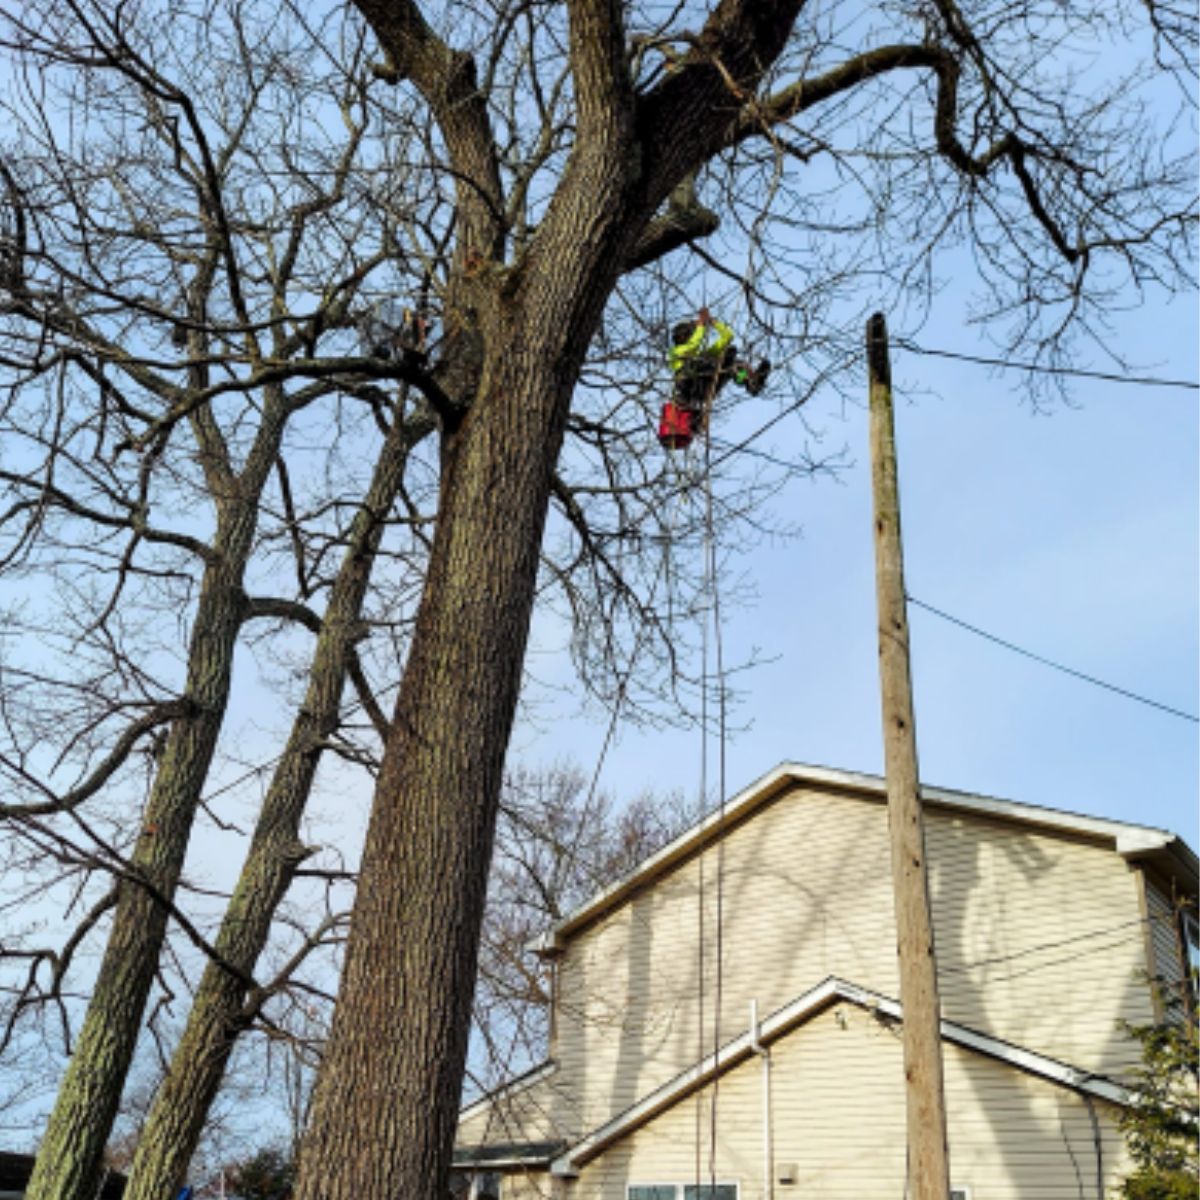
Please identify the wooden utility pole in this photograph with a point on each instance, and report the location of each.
(928, 1157)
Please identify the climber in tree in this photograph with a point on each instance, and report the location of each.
(702, 366)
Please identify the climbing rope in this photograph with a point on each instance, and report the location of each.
(715, 593)
(710, 619)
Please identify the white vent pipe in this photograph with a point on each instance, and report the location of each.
(765, 1055)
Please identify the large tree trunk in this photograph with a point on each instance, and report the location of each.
(386, 1100)
(181, 1104)
(387, 1097)
(72, 1148)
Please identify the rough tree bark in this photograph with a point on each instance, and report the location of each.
(222, 1007)
(385, 1107)
(72, 1148)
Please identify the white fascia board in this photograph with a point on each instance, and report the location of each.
(1127, 839)
(512, 1088)
(1015, 1056)
(1038, 1064)
(782, 1021)
(760, 789)
(663, 1097)
(512, 1163)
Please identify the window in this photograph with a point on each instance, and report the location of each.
(960, 1193)
(682, 1191)
(1190, 933)
(485, 1185)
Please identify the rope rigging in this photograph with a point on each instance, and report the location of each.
(710, 624)
(701, 367)
(715, 594)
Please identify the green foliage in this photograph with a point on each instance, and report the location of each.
(1160, 1128)
(269, 1175)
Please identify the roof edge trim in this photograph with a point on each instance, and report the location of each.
(1127, 840)
(782, 1021)
(511, 1088)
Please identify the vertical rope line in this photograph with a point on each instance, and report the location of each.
(701, 955)
(715, 594)
(711, 610)
(700, 942)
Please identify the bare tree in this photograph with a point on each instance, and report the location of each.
(228, 1000)
(184, 261)
(165, 289)
(162, 319)
(554, 205)
(559, 839)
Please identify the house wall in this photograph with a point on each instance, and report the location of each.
(533, 1185)
(838, 1115)
(1038, 938)
(533, 1113)
(1165, 950)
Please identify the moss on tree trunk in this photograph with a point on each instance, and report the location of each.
(181, 1104)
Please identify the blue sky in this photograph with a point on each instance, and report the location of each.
(1074, 535)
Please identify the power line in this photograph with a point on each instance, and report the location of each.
(1048, 662)
(1123, 927)
(1042, 369)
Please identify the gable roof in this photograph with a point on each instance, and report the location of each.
(799, 1011)
(1164, 849)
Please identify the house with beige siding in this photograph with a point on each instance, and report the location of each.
(726, 1021)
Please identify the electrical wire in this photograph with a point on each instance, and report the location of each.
(1048, 662)
(1043, 369)
(1056, 944)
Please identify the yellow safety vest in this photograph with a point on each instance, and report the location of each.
(697, 344)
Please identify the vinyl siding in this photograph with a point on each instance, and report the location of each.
(806, 893)
(534, 1113)
(1164, 943)
(532, 1185)
(838, 1115)
(1038, 938)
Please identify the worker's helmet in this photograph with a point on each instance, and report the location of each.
(681, 332)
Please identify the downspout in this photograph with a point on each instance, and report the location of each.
(765, 1054)
(1097, 1141)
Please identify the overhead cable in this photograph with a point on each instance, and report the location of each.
(1048, 662)
(1044, 369)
